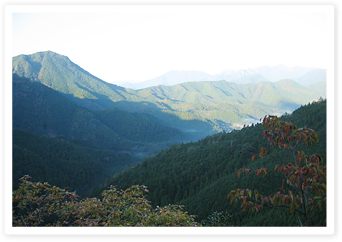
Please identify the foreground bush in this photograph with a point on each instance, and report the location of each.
(40, 204)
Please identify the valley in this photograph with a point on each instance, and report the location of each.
(184, 137)
(200, 174)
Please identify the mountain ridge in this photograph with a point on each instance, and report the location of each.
(43, 111)
(183, 106)
(242, 76)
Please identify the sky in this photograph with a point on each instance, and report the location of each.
(137, 43)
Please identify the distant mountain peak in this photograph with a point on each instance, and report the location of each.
(242, 76)
(173, 77)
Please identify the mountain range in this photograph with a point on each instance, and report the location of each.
(303, 75)
(200, 108)
(171, 78)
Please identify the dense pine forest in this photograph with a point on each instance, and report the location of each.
(200, 174)
(63, 162)
(192, 178)
(58, 141)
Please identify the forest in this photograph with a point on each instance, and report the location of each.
(194, 181)
(64, 162)
(200, 175)
(58, 141)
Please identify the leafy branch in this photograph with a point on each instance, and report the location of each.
(306, 174)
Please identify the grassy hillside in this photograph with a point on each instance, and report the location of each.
(200, 174)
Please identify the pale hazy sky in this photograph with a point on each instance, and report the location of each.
(137, 43)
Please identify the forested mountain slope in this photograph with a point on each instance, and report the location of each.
(281, 95)
(58, 141)
(42, 110)
(77, 165)
(199, 108)
(59, 73)
(200, 174)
